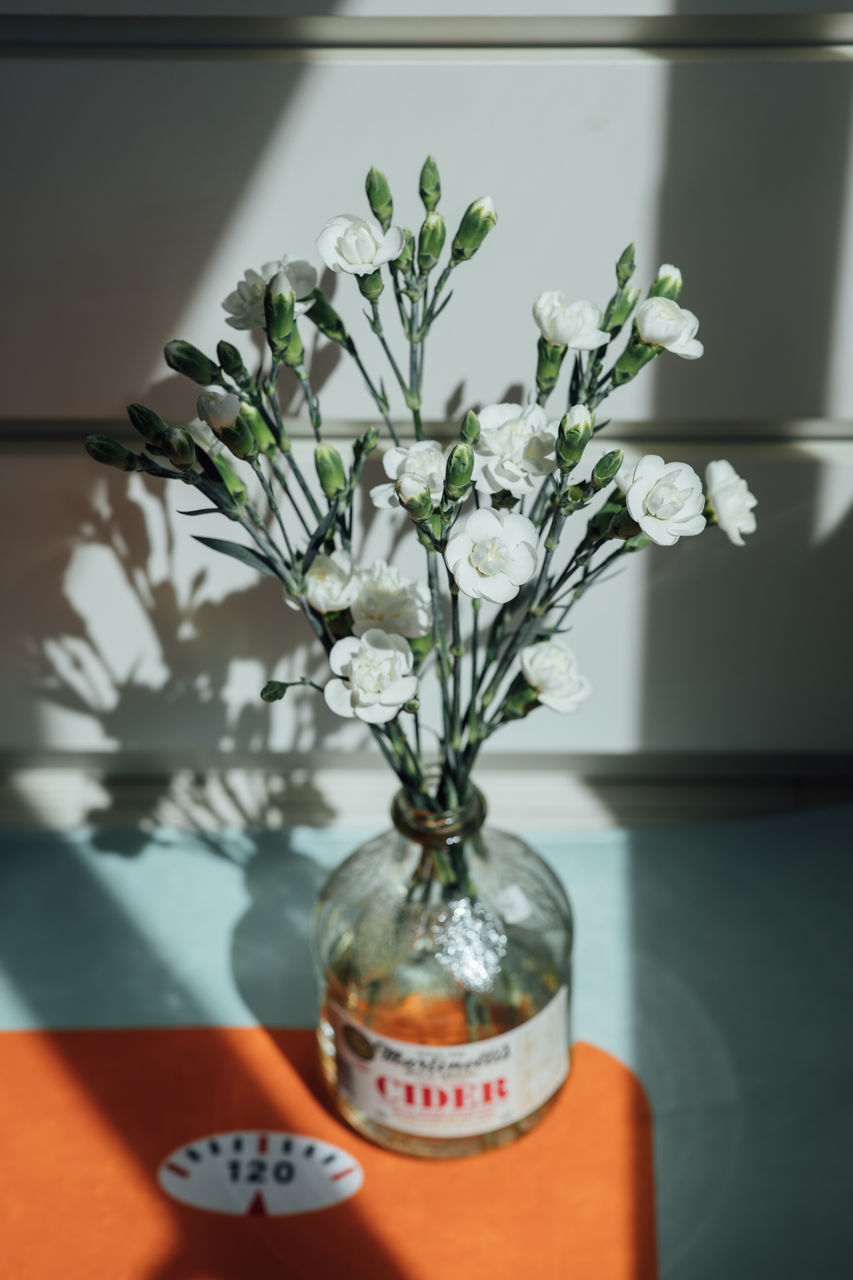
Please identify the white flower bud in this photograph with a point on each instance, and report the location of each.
(218, 410)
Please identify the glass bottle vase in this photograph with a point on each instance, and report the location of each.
(443, 955)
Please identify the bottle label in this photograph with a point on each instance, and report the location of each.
(458, 1090)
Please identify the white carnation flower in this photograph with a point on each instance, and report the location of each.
(246, 303)
(374, 676)
(514, 450)
(731, 499)
(666, 500)
(574, 324)
(357, 245)
(493, 554)
(550, 668)
(391, 602)
(424, 461)
(663, 323)
(330, 583)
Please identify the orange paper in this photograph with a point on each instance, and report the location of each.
(87, 1117)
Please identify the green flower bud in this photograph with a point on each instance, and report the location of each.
(624, 526)
(179, 448)
(239, 439)
(458, 471)
(601, 524)
(184, 358)
(625, 266)
(431, 242)
(279, 305)
(325, 317)
(573, 435)
(477, 221)
(421, 647)
(257, 424)
(112, 453)
(606, 468)
(668, 283)
(548, 364)
(274, 690)
(364, 445)
(635, 356)
(619, 309)
(148, 423)
(231, 362)
(233, 483)
(371, 286)
(414, 496)
(294, 352)
(520, 699)
(470, 429)
(430, 184)
(379, 198)
(330, 471)
(407, 253)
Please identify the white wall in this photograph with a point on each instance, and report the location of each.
(139, 189)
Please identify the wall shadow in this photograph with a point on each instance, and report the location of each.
(751, 208)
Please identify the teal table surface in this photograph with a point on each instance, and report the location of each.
(715, 960)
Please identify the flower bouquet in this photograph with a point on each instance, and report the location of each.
(441, 936)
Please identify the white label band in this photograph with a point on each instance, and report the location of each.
(458, 1090)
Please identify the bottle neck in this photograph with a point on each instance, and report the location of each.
(444, 828)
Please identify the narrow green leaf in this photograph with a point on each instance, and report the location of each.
(253, 559)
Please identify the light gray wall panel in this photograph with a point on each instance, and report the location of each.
(142, 190)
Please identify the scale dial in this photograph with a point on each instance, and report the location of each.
(260, 1173)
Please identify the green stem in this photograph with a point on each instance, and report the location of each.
(269, 493)
(439, 630)
(311, 401)
(285, 488)
(379, 399)
(457, 651)
(380, 333)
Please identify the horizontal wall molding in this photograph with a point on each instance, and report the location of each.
(635, 766)
(332, 38)
(26, 433)
(524, 793)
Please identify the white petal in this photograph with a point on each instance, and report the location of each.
(375, 713)
(341, 654)
(468, 580)
(399, 692)
(517, 528)
(658, 532)
(457, 550)
(688, 528)
(498, 588)
(385, 640)
(395, 238)
(524, 562)
(484, 523)
(339, 698)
